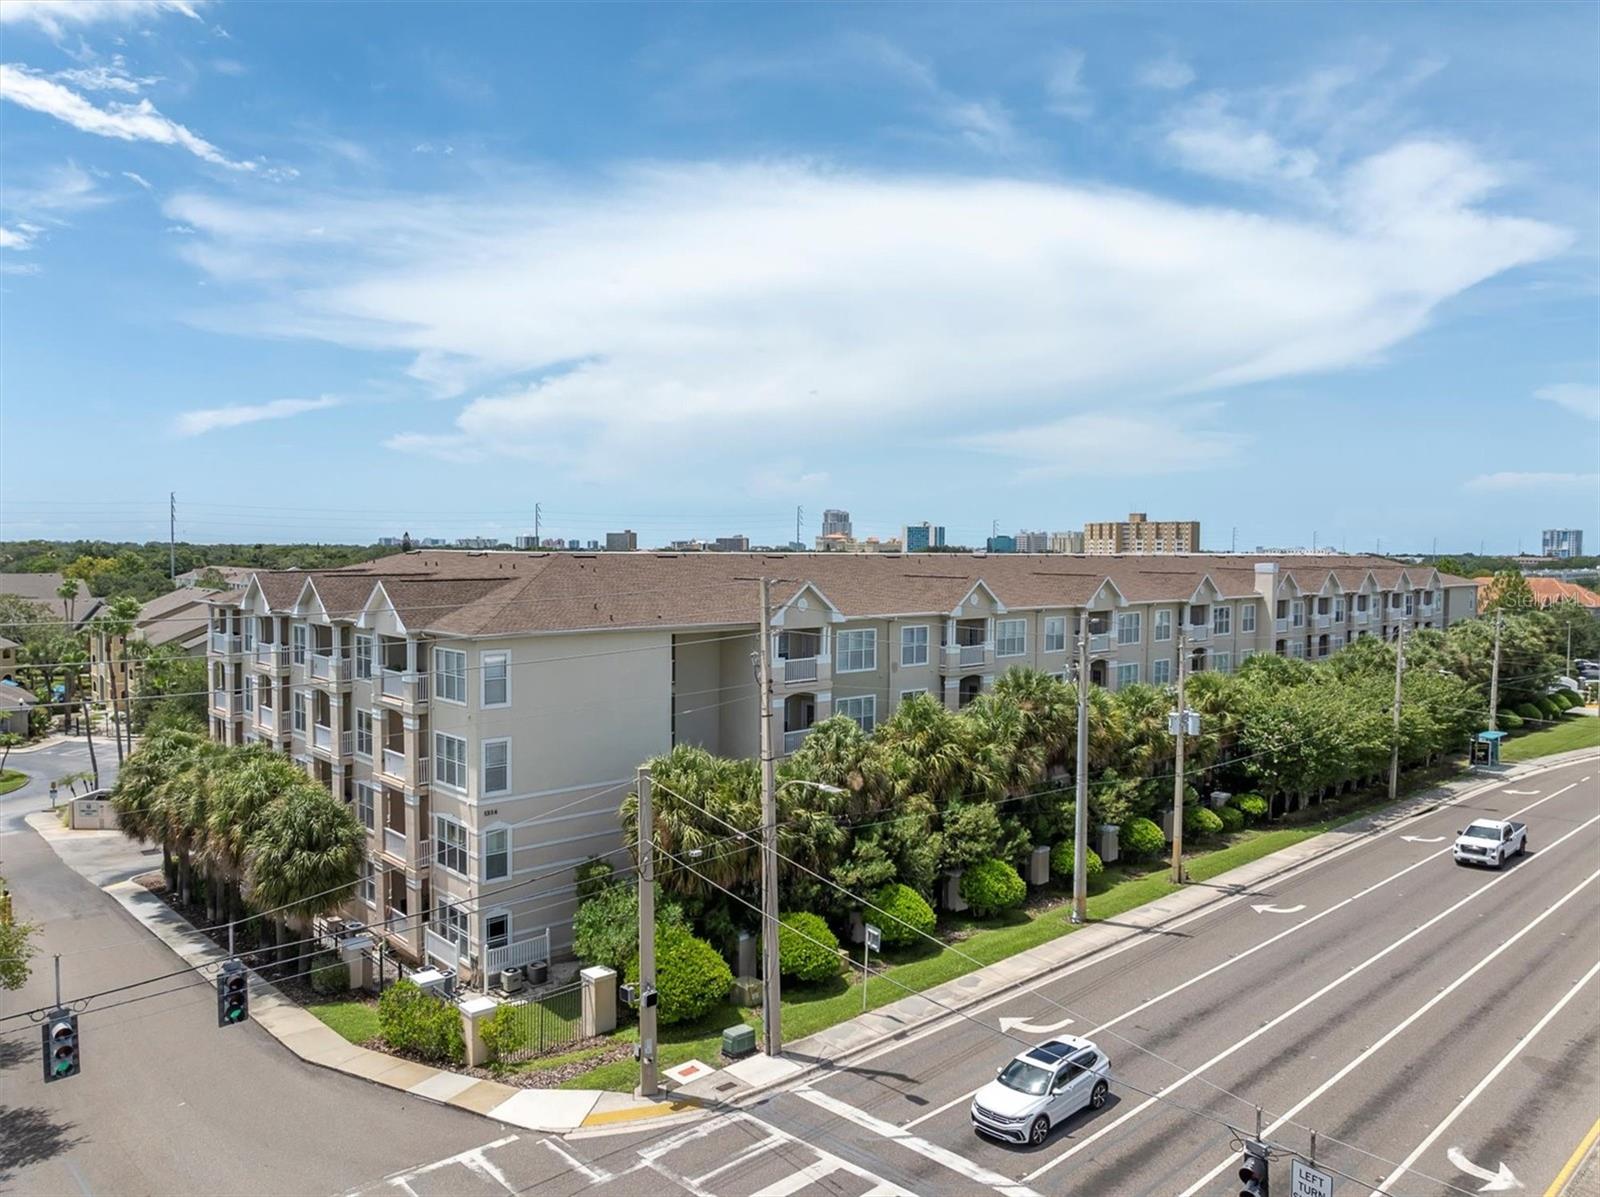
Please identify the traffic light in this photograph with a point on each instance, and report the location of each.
(1254, 1176)
(60, 1050)
(233, 994)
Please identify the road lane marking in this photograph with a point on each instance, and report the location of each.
(1214, 969)
(1423, 839)
(1576, 1158)
(1488, 1079)
(401, 1179)
(942, 1156)
(749, 1153)
(1269, 908)
(1421, 1010)
(595, 1176)
(1498, 1181)
(1307, 1001)
(1007, 1025)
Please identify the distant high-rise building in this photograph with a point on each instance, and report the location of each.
(475, 542)
(1066, 542)
(526, 542)
(388, 542)
(1139, 534)
(1001, 544)
(622, 542)
(1563, 542)
(593, 544)
(731, 544)
(919, 538)
(1033, 542)
(574, 543)
(432, 542)
(836, 523)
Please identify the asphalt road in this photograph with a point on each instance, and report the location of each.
(1434, 1024)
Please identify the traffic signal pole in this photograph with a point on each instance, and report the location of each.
(1177, 776)
(1080, 813)
(649, 1082)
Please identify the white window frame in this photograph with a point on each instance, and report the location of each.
(1127, 681)
(487, 661)
(868, 653)
(1222, 620)
(1247, 618)
(1161, 671)
(1055, 634)
(369, 883)
(445, 848)
(1338, 610)
(300, 643)
(449, 921)
(366, 805)
(1163, 624)
(489, 917)
(1126, 620)
(1003, 637)
(440, 758)
(249, 692)
(300, 714)
(363, 656)
(914, 648)
(1222, 662)
(486, 839)
(371, 726)
(454, 675)
(483, 763)
(905, 694)
(867, 704)
(1297, 613)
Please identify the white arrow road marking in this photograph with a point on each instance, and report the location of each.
(1496, 1181)
(1268, 908)
(1423, 839)
(1007, 1025)
(1522, 793)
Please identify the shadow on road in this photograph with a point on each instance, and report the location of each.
(14, 1052)
(29, 1135)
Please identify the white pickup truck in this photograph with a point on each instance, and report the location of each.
(1491, 842)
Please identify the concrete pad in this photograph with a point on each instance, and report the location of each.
(689, 1071)
(547, 1109)
(371, 1065)
(442, 1086)
(316, 1044)
(402, 1074)
(762, 1069)
(482, 1096)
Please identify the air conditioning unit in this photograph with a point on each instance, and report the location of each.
(512, 979)
(436, 981)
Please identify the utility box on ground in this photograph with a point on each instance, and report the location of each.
(1039, 865)
(950, 892)
(738, 1042)
(599, 1000)
(1109, 836)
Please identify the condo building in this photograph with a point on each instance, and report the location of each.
(1138, 534)
(483, 713)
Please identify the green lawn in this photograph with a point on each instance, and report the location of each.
(808, 1010)
(1574, 731)
(11, 779)
(356, 1021)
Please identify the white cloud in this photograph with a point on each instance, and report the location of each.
(196, 423)
(1211, 141)
(18, 237)
(1104, 444)
(112, 76)
(137, 178)
(125, 122)
(53, 16)
(670, 315)
(1579, 398)
(1534, 480)
(19, 268)
(1065, 92)
(1166, 74)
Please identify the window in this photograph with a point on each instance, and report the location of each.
(1361, 604)
(496, 679)
(365, 810)
(1161, 672)
(249, 692)
(1163, 625)
(1338, 610)
(1410, 602)
(1055, 634)
(496, 854)
(497, 930)
(857, 651)
(1011, 637)
(299, 711)
(1127, 675)
(1128, 627)
(1297, 650)
(905, 694)
(369, 883)
(1247, 618)
(450, 669)
(496, 767)
(863, 709)
(1222, 662)
(450, 921)
(1222, 620)
(450, 760)
(449, 844)
(364, 733)
(914, 645)
(363, 656)
(298, 637)
(1298, 613)
(1283, 608)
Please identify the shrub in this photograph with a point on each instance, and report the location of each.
(1253, 807)
(1200, 822)
(992, 887)
(807, 948)
(1141, 839)
(1061, 860)
(593, 876)
(1232, 819)
(502, 1032)
(1567, 698)
(1528, 711)
(606, 929)
(330, 976)
(691, 976)
(413, 1021)
(1510, 721)
(1550, 706)
(899, 905)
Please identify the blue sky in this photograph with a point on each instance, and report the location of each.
(334, 271)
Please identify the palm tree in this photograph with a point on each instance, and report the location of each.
(304, 858)
(147, 791)
(244, 792)
(115, 626)
(67, 592)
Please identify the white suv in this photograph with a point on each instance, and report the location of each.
(1040, 1089)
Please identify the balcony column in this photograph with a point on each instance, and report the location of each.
(415, 831)
(411, 733)
(411, 654)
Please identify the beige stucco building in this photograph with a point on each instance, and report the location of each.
(484, 713)
(1137, 534)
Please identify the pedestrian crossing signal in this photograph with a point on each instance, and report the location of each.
(60, 1045)
(233, 994)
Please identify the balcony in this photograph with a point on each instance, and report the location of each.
(272, 656)
(405, 690)
(322, 737)
(1324, 622)
(333, 670)
(224, 644)
(793, 739)
(972, 654)
(800, 669)
(1099, 643)
(394, 843)
(267, 718)
(1197, 633)
(395, 767)
(442, 948)
(1280, 625)
(1361, 617)
(347, 743)
(524, 951)
(219, 702)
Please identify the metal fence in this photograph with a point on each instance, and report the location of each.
(539, 1024)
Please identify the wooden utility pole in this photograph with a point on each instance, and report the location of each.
(1080, 813)
(771, 997)
(649, 1082)
(1399, 673)
(1177, 776)
(1494, 677)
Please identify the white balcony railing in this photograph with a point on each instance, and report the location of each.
(1324, 621)
(347, 743)
(219, 700)
(397, 922)
(442, 948)
(222, 642)
(793, 739)
(272, 656)
(972, 654)
(410, 688)
(327, 669)
(267, 717)
(394, 763)
(394, 843)
(1280, 625)
(524, 951)
(1197, 632)
(1100, 643)
(322, 737)
(800, 669)
(1361, 617)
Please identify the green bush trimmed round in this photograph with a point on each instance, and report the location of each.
(1253, 807)
(1201, 822)
(1567, 699)
(692, 978)
(902, 915)
(1528, 710)
(1232, 819)
(807, 948)
(1061, 859)
(1141, 839)
(993, 887)
(1510, 721)
(413, 1021)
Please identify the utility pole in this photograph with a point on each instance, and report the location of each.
(1233, 543)
(1080, 812)
(771, 1011)
(1399, 672)
(1494, 677)
(88, 731)
(649, 1084)
(537, 544)
(1177, 777)
(172, 535)
(799, 512)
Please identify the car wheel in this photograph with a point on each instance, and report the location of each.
(1039, 1131)
(1097, 1099)
(1522, 848)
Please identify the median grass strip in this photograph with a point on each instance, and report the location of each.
(11, 779)
(1574, 731)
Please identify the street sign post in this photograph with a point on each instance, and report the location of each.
(872, 942)
(1307, 1181)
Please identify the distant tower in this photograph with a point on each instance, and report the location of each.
(405, 543)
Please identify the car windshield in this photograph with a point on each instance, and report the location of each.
(1025, 1078)
(1483, 833)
